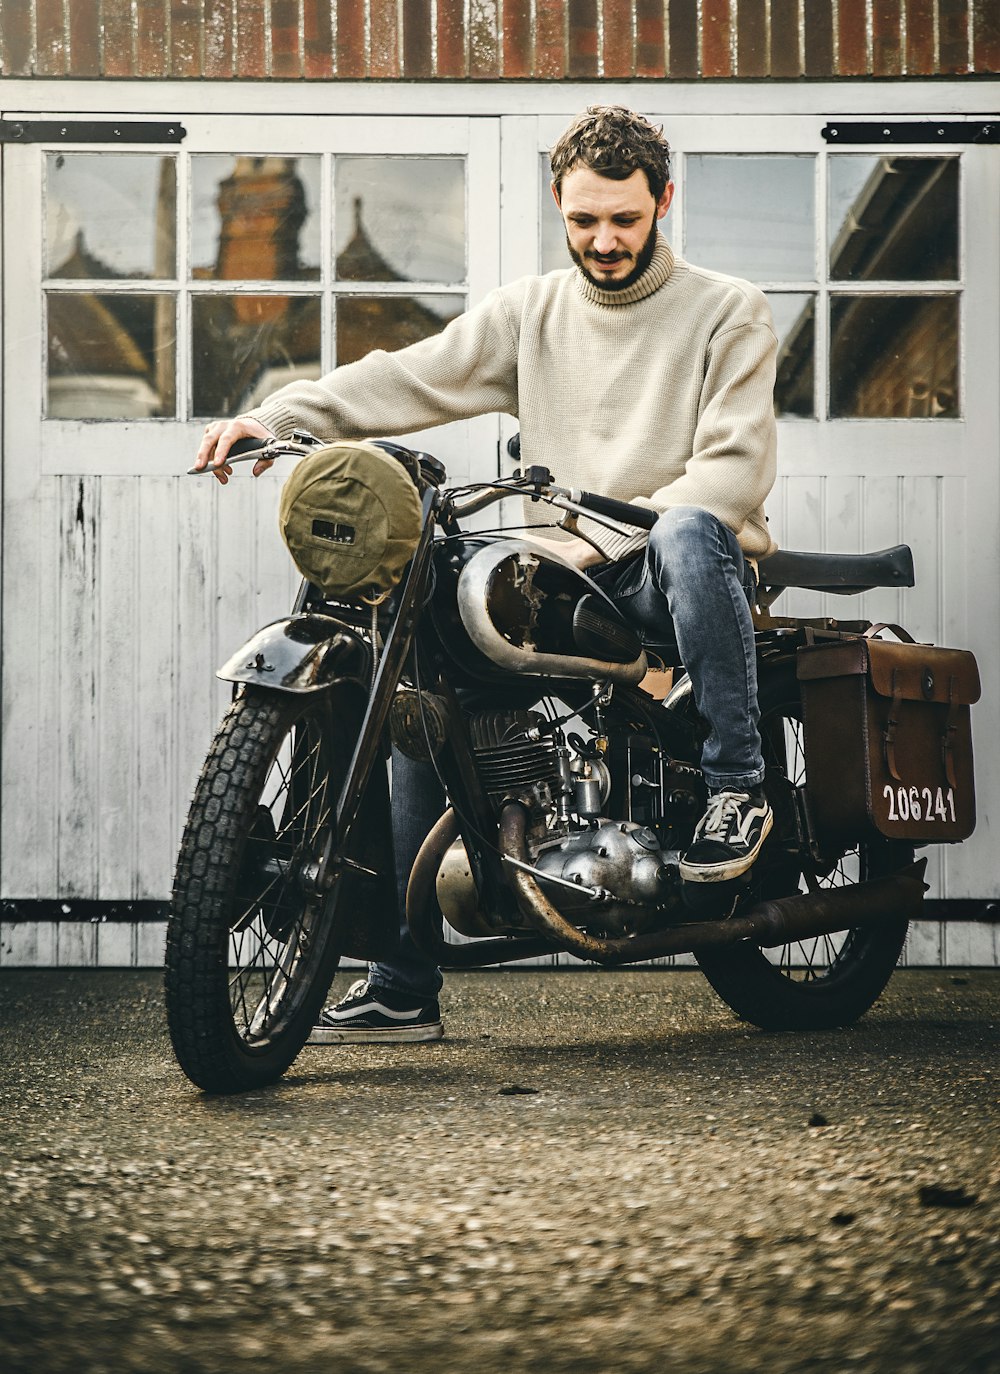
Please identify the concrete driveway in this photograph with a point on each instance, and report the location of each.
(594, 1172)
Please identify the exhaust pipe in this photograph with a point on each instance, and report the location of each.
(777, 922)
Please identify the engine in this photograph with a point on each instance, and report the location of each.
(606, 818)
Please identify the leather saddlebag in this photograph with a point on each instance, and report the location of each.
(888, 739)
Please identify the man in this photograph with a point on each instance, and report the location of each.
(632, 374)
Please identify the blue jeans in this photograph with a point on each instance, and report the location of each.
(688, 594)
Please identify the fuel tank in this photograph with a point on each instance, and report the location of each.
(525, 611)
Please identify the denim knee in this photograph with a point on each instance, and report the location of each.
(686, 541)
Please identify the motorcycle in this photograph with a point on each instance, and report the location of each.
(572, 792)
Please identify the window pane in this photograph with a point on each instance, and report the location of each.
(554, 253)
(255, 218)
(894, 356)
(390, 322)
(751, 216)
(400, 219)
(110, 356)
(110, 215)
(893, 218)
(795, 325)
(245, 347)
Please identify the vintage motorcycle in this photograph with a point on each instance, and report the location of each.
(572, 790)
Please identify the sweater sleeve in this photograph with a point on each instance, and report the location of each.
(734, 454)
(470, 368)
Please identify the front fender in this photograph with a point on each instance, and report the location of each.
(302, 653)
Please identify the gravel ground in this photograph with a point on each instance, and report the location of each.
(667, 1189)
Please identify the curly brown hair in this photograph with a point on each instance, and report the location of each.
(615, 142)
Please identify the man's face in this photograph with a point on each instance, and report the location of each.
(610, 225)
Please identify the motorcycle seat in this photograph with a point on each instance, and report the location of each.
(841, 573)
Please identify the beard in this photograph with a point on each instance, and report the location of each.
(642, 261)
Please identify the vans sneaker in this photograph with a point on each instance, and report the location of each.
(369, 1015)
(728, 837)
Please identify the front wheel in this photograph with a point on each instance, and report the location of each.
(251, 947)
(828, 980)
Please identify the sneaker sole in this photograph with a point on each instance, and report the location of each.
(721, 873)
(372, 1035)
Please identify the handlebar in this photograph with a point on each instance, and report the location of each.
(641, 517)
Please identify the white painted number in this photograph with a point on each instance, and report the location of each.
(916, 804)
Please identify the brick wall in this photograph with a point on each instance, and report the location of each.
(495, 39)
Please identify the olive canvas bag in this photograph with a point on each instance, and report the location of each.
(350, 514)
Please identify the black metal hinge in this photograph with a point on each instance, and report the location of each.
(90, 131)
(915, 131)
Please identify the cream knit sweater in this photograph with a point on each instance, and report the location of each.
(660, 394)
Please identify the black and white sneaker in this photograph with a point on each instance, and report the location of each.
(369, 1015)
(728, 837)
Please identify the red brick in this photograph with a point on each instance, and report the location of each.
(786, 50)
(151, 40)
(919, 37)
(887, 44)
(682, 46)
(516, 38)
(986, 36)
(451, 49)
(650, 38)
(317, 33)
(185, 38)
(286, 59)
(751, 38)
(84, 38)
(582, 35)
(351, 59)
(953, 36)
(484, 44)
(50, 38)
(217, 38)
(384, 31)
(119, 32)
(851, 30)
(550, 39)
(417, 57)
(716, 55)
(251, 51)
(818, 56)
(15, 38)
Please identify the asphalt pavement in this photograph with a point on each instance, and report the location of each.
(594, 1171)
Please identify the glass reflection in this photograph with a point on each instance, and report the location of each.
(795, 325)
(111, 355)
(751, 217)
(255, 218)
(110, 215)
(365, 323)
(245, 347)
(894, 357)
(400, 219)
(893, 218)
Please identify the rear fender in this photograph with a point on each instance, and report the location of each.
(302, 653)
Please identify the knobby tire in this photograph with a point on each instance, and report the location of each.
(251, 952)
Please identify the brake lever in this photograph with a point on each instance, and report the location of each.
(281, 448)
(574, 511)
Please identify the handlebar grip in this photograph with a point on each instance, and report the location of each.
(249, 445)
(641, 517)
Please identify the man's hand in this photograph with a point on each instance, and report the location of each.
(219, 438)
(575, 550)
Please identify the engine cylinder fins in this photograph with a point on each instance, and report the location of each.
(513, 767)
(508, 761)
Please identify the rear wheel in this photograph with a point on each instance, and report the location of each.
(828, 980)
(251, 948)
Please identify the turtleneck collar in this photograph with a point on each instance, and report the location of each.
(656, 274)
